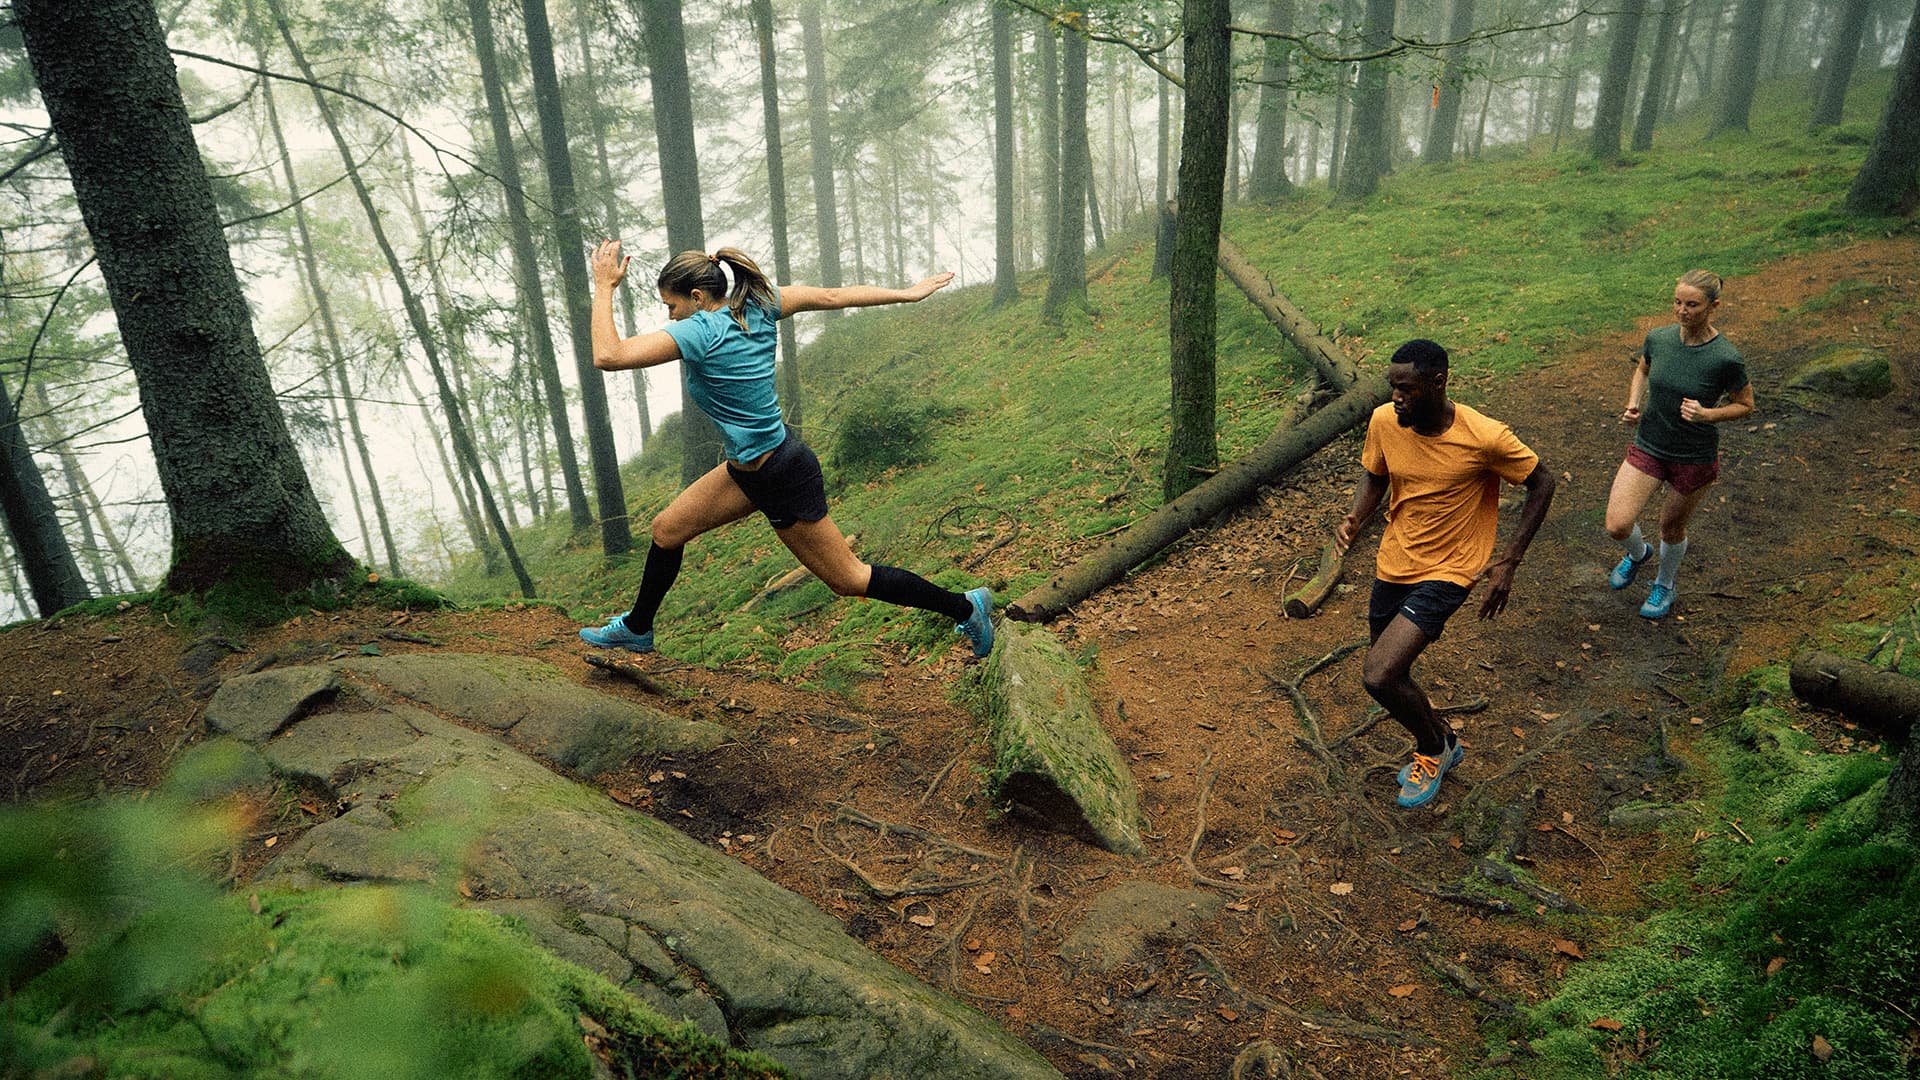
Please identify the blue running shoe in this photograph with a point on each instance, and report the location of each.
(615, 635)
(978, 629)
(1659, 602)
(1420, 780)
(1622, 575)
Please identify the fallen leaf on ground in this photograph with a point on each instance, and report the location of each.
(1774, 965)
(1562, 945)
(1402, 990)
(1410, 924)
(921, 920)
(1226, 1013)
(1607, 1023)
(1822, 1049)
(1340, 888)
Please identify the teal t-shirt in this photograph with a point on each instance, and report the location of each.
(730, 375)
(1675, 370)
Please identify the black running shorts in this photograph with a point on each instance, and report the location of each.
(1426, 604)
(787, 487)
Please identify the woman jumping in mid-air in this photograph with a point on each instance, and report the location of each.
(1684, 371)
(722, 313)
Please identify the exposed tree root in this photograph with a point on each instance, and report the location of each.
(1468, 985)
(1449, 894)
(1339, 1025)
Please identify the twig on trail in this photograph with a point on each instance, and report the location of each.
(1199, 830)
(847, 813)
(935, 786)
(627, 670)
(1085, 1044)
(1339, 1025)
(1468, 985)
(1450, 895)
(1606, 873)
(1736, 828)
(410, 637)
(894, 892)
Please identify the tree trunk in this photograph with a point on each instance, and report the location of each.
(1163, 214)
(1067, 269)
(609, 186)
(1230, 487)
(820, 143)
(1446, 109)
(1567, 110)
(329, 327)
(570, 244)
(86, 503)
(416, 314)
(1192, 448)
(239, 497)
(1656, 88)
(1050, 139)
(1743, 68)
(1335, 368)
(1617, 80)
(1836, 72)
(1006, 280)
(762, 11)
(1886, 183)
(32, 521)
(1269, 180)
(1365, 160)
(672, 87)
(526, 265)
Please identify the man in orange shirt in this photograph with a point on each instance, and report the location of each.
(1442, 462)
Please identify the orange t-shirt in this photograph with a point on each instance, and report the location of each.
(1443, 505)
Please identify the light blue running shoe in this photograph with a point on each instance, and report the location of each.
(615, 635)
(1659, 602)
(1622, 575)
(1420, 778)
(978, 629)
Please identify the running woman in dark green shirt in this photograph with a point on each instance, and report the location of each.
(1684, 372)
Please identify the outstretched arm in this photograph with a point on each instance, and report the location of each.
(796, 298)
(611, 352)
(1498, 573)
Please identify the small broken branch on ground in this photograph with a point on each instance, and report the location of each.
(630, 671)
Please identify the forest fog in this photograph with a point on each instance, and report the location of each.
(397, 263)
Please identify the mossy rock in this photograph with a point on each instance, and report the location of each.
(1052, 759)
(1860, 372)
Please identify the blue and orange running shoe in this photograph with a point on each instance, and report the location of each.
(615, 635)
(978, 629)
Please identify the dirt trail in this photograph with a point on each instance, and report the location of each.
(1337, 934)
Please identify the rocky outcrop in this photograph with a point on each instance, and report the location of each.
(681, 926)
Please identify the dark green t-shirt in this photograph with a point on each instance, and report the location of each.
(1675, 370)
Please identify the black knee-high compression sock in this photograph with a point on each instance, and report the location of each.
(892, 585)
(663, 565)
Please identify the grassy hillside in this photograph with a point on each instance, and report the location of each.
(1062, 427)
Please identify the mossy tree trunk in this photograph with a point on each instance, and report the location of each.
(239, 498)
(1192, 444)
(1616, 82)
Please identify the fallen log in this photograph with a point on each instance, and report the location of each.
(1229, 487)
(1051, 757)
(1885, 702)
(1307, 598)
(1336, 368)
